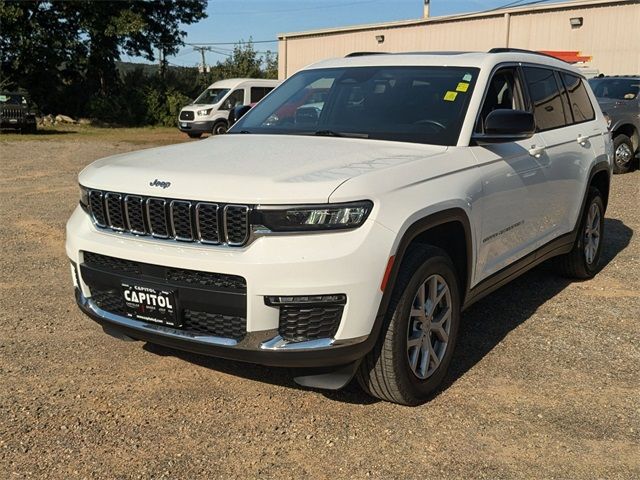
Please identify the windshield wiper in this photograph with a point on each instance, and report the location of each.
(331, 133)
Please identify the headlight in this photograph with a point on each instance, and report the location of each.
(84, 198)
(202, 113)
(340, 216)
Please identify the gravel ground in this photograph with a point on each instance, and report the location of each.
(545, 382)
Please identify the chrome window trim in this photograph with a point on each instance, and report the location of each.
(171, 220)
(126, 211)
(198, 230)
(107, 196)
(90, 191)
(164, 206)
(246, 210)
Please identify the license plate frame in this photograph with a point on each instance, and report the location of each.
(151, 304)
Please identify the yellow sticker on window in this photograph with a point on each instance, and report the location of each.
(450, 96)
(462, 87)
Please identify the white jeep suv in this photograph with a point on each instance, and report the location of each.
(348, 232)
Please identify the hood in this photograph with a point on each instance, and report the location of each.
(250, 169)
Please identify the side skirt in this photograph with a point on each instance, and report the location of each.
(558, 246)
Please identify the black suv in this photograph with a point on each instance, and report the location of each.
(16, 112)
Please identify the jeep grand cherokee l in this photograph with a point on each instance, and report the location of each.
(349, 235)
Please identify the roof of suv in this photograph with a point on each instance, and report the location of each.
(482, 60)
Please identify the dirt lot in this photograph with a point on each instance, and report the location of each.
(545, 382)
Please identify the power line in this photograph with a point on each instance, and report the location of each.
(288, 10)
(517, 3)
(233, 43)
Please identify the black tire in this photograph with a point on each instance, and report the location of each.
(219, 128)
(623, 154)
(194, 135)
(385, 372)
(576, 264)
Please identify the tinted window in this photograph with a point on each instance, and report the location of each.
(578, 98)
(407, 104)
(258, 93)
(618, 88)
(236, 99)
(546, 98)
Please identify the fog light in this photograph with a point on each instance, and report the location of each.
(335, 299)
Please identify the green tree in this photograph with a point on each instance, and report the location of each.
(39, 49)
(53, 48)
(243, 62)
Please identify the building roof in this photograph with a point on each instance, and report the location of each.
(575, 4)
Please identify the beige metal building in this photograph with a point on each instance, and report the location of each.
(608, 31)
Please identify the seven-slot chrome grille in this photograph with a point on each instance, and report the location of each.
(183, 220)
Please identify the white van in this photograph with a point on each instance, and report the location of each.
(209, 112)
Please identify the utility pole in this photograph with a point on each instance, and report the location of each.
(204, 62)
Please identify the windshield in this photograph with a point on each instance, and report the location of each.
(211, 96)
(616, 88)
(407, 104)
(12, 99)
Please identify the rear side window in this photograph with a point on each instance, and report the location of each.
(578, 98)
(258, 93)
(546, 97)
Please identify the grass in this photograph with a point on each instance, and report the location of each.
(136, 136)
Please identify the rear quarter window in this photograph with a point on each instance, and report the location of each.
(579, 100)
(546, 96)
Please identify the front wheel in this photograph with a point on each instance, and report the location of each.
(623, 154)
(219, 128)
(582, 261)
(414, 350)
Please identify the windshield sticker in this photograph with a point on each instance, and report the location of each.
(467, 77)
(462, 87)
(450, 96)
(3, 98)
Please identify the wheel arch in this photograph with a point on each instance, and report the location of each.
(630, 131)
(449, 229)
(599, 177)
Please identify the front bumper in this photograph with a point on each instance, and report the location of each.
(349, 263)
(264, 348)
(17, 123)
(196, 126)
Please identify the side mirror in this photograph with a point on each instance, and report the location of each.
(237, 112)
(502, 126)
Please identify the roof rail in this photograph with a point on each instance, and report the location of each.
(363, 54)
(522, 50)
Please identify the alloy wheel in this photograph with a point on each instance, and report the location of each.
(429, 326)
(623, 155)
(592, 233)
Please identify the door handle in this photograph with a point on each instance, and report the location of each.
(582, 140)
(536, 151)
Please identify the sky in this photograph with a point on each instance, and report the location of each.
(231, 21)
